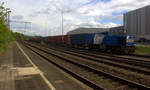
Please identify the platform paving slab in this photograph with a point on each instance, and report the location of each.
(6, 74)
(16, 73)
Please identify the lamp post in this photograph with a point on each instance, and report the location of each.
(62, 19)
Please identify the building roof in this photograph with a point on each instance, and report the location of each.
(88, 30)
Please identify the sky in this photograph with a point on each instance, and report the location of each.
(46, 15)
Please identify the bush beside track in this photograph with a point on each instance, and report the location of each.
(19, 36)
(5, 35)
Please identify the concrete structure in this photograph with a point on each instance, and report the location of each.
(137, 23)
(88, 30)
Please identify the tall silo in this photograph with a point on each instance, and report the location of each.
(137, 23)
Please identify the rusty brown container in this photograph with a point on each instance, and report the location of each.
(66, 39)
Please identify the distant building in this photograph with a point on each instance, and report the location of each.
(137, 23)
(117, 30)
(88, 30)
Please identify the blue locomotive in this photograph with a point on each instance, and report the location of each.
(104, 41)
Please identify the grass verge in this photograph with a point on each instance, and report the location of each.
(141, 49)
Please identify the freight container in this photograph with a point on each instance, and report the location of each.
(66, 39)
(78, 39)
(82, 39)
(37, 39)
(49, 39)
(60, 39)
(54, 39)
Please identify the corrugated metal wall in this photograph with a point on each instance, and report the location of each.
(137, 22)
(148, 19)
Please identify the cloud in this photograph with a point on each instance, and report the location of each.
(46, 14)
(107, 8)
(17, 17)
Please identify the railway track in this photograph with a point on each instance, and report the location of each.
(122, 67)
(115, 59)
(144, 56)
(131, 61)
(106, 75)
(74, 74)
(131, 57)
(125, 59)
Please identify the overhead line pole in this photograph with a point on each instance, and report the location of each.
(70, 11)
(25, 25)
(9, 20)
(62, 23)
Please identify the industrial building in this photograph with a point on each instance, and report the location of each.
(137, 23)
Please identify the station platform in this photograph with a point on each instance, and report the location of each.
(21, 69)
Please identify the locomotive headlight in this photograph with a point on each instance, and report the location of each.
(130, 39)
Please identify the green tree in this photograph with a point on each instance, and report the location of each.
(5, 35)
(3, 13)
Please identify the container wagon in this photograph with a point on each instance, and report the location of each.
(61, 39)
(82, 40)
(66, 39)
(37, 39)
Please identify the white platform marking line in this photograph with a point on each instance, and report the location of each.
(41, 74)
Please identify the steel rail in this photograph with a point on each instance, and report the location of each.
(92, 58)
(119, 79)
